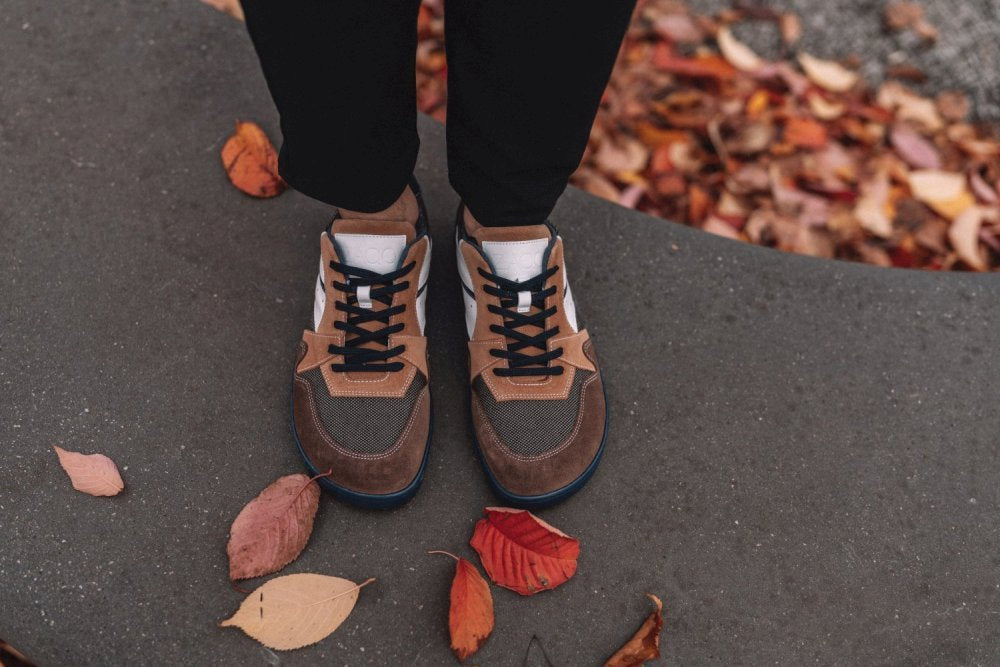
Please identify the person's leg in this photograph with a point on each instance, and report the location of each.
(341, 73)
(525, 79)
(524, 82)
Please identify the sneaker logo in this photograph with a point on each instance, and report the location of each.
(370, 251)
(517, 260)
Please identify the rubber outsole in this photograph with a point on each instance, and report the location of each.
(553, 497)
(374, 501)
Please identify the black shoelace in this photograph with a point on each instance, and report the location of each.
(384, 286)
(516, 324)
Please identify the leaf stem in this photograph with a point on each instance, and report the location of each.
(446, 553)
(311, 480)
(343, 593)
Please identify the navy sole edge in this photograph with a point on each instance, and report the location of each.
(373, 501)
(553, 497)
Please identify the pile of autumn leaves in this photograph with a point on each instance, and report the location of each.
(517, 550)
(799, 154)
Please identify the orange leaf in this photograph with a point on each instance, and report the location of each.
(470, 617)
(523, 553)
(805, 133)
(273, 528)
(251, 161)
(95, 474)
(709, 66)
(644, 644)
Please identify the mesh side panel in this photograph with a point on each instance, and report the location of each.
(363, 424)
(532, 428)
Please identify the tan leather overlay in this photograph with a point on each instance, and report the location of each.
(390, 385)
(481, 361)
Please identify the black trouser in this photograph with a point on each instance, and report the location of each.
(524, 81)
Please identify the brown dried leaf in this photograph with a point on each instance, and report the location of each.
(644, 644)
(95, 474)
(273, 528)
(790, 27)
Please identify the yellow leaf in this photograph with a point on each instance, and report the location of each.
(296, 610)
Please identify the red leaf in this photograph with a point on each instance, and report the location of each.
(273, 528)
(644, 644)
(470, 617)
(521, 552)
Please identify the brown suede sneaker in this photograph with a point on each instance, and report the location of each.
(360, 401)
(538, 404)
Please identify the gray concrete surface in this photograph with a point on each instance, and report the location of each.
(803, 459)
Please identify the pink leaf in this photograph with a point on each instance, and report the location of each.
(914, 149)
(95, 474)
(273, 528)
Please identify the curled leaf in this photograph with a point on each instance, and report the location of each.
(295, 610)
(251, 161)
(644, 644)
(470, 616)
(964, 237)
(736, 52)
(273, 528)
(95, 474)
(943, 191)
(828, 74)
(872, 208)
(521, 552)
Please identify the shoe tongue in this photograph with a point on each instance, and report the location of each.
(376, 245)
(516, 253)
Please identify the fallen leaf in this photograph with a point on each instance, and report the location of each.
(823, 108)
(705, 66)
(273, 528)
(943, 191)
(953, 105)
(964, 237)
(95, 474)
(679, 28)
(231, 7)
(914, 149)
(871, 210)
(828, 74)
(790, 27)
(295, 610)
(251, 161)
(521, 552)
(644, 644)
(805, 133)
(736, 52)
(470, 616)
(903, 15)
